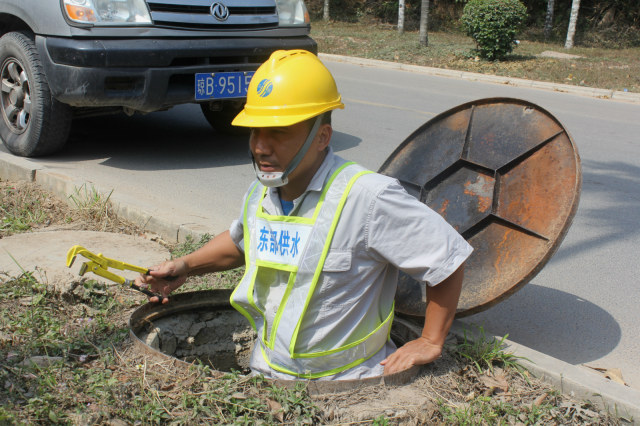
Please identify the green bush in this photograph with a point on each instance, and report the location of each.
(493, 24)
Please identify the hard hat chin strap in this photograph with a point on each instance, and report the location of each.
(278, 179)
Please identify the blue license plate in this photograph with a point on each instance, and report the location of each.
(222, 85)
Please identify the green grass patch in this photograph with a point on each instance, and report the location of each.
(39, 324)
(488, 410)
(189, 245)
(91, 204)
(66, 359)
(218, 280)
(19, 210)
(484, 352)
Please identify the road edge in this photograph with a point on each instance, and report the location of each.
(22, 169)
(614, 95)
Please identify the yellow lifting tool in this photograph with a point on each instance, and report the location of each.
(99, 265)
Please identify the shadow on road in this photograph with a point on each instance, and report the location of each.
(561, 324)
(616, 187)
(176, 139)
(556, 323)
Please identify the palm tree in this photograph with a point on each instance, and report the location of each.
(400, 16)
(571, 32)
(325, 14)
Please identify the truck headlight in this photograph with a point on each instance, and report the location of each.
(292, 12)
(107, 12)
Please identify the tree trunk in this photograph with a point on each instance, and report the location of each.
(325, 14)
(424, 22)
(400, 16)
(571, 32)
(548, 22)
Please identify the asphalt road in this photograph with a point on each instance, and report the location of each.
(582, 308)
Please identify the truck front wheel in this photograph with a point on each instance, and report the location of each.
(33, 123)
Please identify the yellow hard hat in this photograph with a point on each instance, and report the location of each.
(290, 87)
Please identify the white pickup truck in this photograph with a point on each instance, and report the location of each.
(62, 59)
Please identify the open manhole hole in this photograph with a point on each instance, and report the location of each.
(220, 338)
(203, 326)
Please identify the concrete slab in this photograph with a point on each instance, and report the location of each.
(558, 55)
(47, 251)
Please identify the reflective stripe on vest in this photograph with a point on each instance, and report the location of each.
(277, 246)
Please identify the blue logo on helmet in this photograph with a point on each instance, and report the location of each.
(264, 88)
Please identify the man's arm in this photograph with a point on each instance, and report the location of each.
(218, 254)
(441, 308)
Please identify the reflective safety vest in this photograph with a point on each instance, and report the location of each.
(284, 257)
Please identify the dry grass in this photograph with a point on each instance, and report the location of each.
(24, 206)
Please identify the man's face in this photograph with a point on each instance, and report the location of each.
(273, 149)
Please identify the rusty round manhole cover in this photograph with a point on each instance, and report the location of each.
(506, 175)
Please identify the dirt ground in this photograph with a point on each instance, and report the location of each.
(451, 390)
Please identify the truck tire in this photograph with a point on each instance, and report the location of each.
(221, 119)
(33, 123)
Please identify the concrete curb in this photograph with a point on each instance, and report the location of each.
(16, 168)
(484, 78)
(21, 169)
(576, 381)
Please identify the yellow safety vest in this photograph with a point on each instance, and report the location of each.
(284, 257)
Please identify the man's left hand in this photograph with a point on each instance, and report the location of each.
(416, 352)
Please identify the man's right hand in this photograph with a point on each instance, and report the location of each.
(164, 278)
(219, 254)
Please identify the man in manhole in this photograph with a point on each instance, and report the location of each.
(323, 240)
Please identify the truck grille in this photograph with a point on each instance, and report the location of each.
(197, 14)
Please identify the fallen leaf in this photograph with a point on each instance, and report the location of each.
(539, 400)
(614, 374)
(574, 410)
(188, 381)
(276, 409)
(41, 361)
(498, 383)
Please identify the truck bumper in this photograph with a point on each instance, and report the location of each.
(147, 74)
